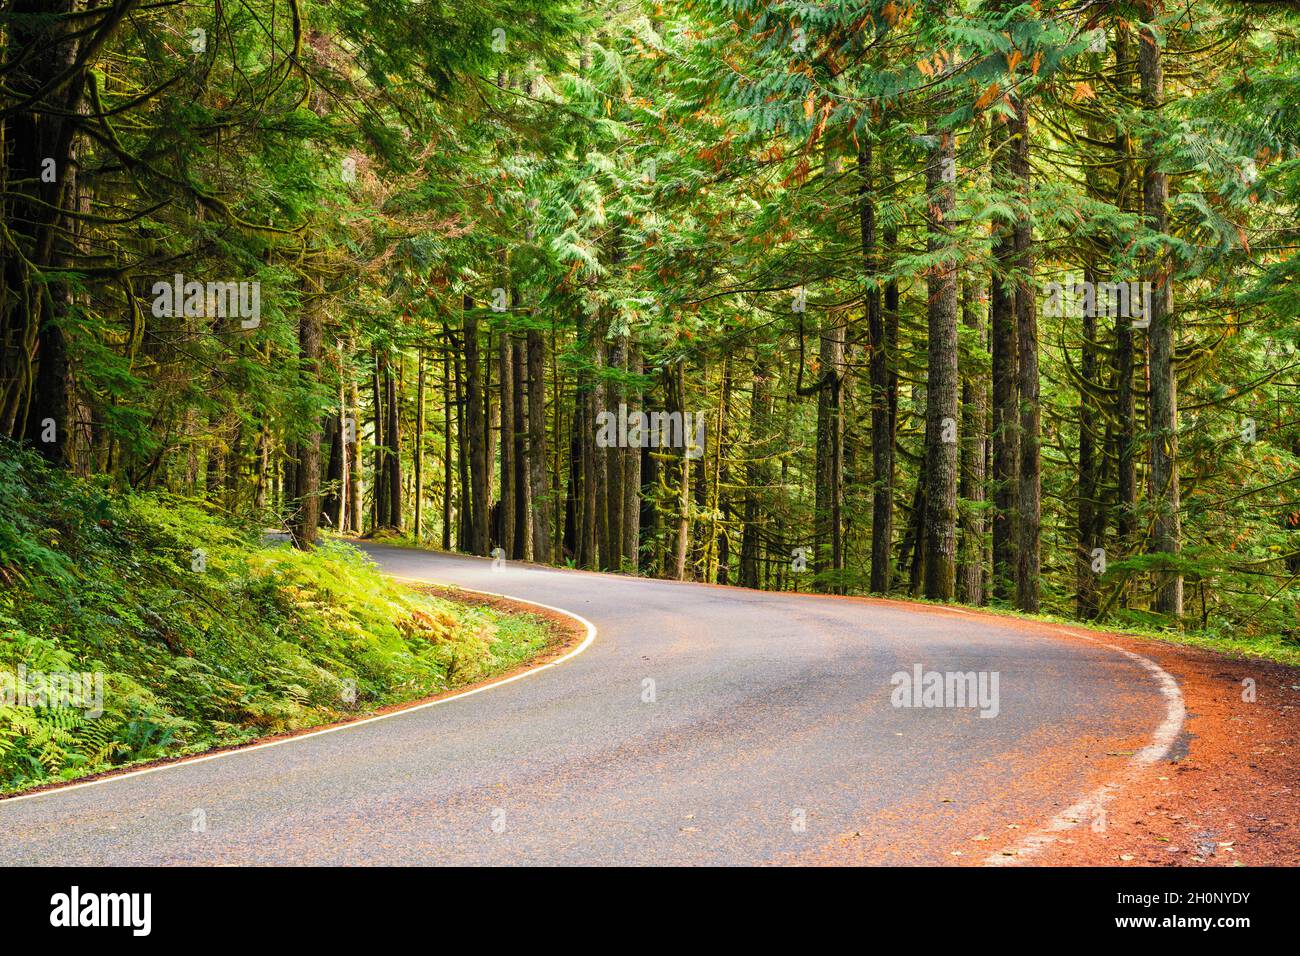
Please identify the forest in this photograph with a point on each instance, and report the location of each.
(983, 302)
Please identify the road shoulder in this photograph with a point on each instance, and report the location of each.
(1226, 794)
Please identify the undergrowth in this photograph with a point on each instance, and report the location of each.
(201, 633)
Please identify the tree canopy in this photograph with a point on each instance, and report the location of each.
(982, 301)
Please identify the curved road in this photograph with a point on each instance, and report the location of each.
(770, 738)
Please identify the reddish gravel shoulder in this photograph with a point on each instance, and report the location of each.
(1228, 794)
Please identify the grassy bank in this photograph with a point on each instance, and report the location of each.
(197, 634)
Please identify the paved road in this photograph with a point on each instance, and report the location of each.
(771, 738)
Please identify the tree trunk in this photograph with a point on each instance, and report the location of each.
(600, 470)
(521, 482)
(418, 518)
(1165, 538)
(613, 455)
(755, 475)
(476, 432)
(677, 392)
(970, 569)
(216, 461)
(1125, 438)
(1029, 510)
(393, 456)
(308, 503)
(263, 468)
(332, 452)
(913, 543)
(43, 46)
(631, 537)
(584, 414)
(506, 373)
(355, 473)
(464, 504)
(828, 526)
(537, 478)
(882, 438)
(1006, 406)
(446, 444)
(1089, 499)
(940, 516)
(379, 471)
(717, 503)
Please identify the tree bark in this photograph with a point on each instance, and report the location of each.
(537, 477)
(970, 569)
(332, 453)
(464, 504)
(631, 537)
(882, 437)
(1029, 510)
(942, 384)
(355, 472)
(379, 491)
(613, 455)
(521, 483)
(446, 442)
(393, 457)
(308, 505)
(476, 432)
(584, 416)
(1125, 437)
(756, 472)
(506, 373)
(1006, 406)
(677, 392)
(828, 520)
(1165, 538)
(43, 44)
(600, 471)
(1090, 508)
(417, 519)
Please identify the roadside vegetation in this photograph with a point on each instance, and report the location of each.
(200, 633)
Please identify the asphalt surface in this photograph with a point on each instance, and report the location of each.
(770, 738)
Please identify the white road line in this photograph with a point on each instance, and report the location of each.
(591, 636)
(1093, 805)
